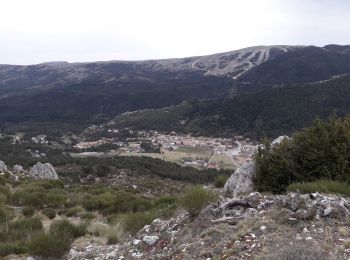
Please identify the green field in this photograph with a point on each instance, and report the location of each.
(189, 152)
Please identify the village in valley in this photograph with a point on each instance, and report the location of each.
(198, 152)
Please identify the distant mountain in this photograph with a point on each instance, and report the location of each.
(308, 64)
(15, 78)
(95, 92)
(91, 92)
(270, 112)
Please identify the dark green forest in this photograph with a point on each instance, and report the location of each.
(267, 113)
(319, 152)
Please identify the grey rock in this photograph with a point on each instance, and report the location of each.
(150, 240)
(43, 171)
(279, 140)
(3, 167)
(17, 169)
(241, 180)
(327, 211)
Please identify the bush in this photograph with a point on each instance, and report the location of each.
(297, 250)
(11, 248)
(57, 242)
(38, 198)
(49, 212)
(47, 245)
(63, 229)
(74, 212)
(321, 151)
(195, 199)
(112, 239)
(323, 186)
(87, 215)
(220, 181)
(28, 211)
(112, 202)
(134, 221)
(24, 229)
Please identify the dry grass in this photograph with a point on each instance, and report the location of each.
(295, 250)
(112, 233)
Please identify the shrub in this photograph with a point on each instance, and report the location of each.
(49, 212)
(8, 248)
(297, 250)
(57, 242)
(220, 181)
(87, 215)
(47, 245)
(24, 229)
(4, 194)
(134, 221)
(6, 214)
(112, 239)
(38, 198)
(65, 230)
(73, 212)
(28, 211)
(113, 233)
(321, 186)
(321, 151)
(116, 202)
(195, 199)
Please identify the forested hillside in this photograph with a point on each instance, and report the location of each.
(270, 112)
(92, 102)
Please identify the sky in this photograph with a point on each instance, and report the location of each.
(35, 31)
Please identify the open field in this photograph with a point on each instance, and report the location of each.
(176, 156)
(195, 150)
(223, 161)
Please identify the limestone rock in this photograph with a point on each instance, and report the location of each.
(150, 240)
(279, 140)
(241, 180)
(3, 167)
(43, 171)
(17, 169)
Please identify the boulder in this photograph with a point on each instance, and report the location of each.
(279, 140)
(150, 240)
(3, 167)
(43, 171)
(241, 180)
(17, 169)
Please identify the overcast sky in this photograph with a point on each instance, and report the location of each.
(34, 31)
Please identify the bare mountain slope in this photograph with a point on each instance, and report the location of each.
(14, 78)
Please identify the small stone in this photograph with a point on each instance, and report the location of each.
(135, 242)
(305, 230)
(3, 167)
(262, 228)
(150, 240)
(327, 211)
(308, 238)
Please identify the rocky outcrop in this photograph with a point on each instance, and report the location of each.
(3, 167)
(239, 228)
(43, 171)
(313, 206)
(18, 169)
(241, 180)
(279, 140)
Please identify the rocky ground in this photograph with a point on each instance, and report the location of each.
(292, 226)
